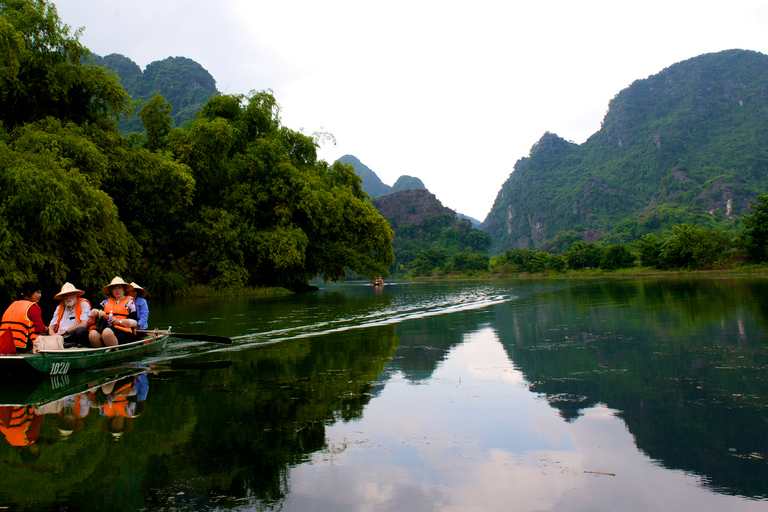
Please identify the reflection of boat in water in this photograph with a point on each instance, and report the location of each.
(72, 360)
(118, 395)
(39, 390)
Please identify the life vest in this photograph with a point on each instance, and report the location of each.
(119, 311)
(118, 405)
(20, 425)
(78, 310)
(16, 318)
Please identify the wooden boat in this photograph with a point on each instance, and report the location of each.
(72, 360)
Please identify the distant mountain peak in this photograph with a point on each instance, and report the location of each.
(372, 184)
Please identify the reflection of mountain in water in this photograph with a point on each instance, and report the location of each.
(682, 361)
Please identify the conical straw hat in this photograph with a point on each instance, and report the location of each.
(117, 281)
(68, 288)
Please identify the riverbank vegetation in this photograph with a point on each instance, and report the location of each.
(682, 247)
(232, 200)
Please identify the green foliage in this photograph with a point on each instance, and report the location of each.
(428, 260)
(421, 223)
(584, 255)
(183, 83)
(468, 263)
(232, 200)
(526, 260)
(755, 236)
(617, 256)
(42, 70)
(157, 122)
(683, 146)
(692, 247)
(650, 250)
(56, 225)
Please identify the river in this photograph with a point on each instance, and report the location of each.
(599, 395)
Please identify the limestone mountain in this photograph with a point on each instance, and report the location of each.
(372, 184)
(183, 82)
(685, 145)
(422, 224)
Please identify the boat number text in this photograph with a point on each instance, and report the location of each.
(59, 368)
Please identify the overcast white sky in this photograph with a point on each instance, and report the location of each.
(451, 92)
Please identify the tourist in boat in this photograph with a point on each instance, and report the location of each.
(24, 317)
(71, 318)
(119, 313)
(139, 295)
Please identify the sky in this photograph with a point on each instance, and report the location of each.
(453, 93)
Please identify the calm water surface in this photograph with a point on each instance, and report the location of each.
(615, 395)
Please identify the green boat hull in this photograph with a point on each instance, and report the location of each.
(73, 360)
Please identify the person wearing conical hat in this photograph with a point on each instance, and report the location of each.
(117, 317)
(139, 295)
(71, 318)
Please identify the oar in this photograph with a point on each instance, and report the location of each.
(196, 337)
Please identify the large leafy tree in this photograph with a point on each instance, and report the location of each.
(755, 236)
(42, 69)
(269, 212)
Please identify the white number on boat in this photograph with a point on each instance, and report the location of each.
(59, 368)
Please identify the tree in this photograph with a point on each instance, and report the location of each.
(617, 256)
(689, 246)
(157, 121)
(584, 255)
(49, 74)
(755, 235)
(650, 250)
(55, 225)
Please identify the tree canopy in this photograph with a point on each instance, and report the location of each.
(233, 199)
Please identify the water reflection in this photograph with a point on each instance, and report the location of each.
(681, 362)
(620, 395)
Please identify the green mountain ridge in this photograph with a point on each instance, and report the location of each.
(184, 84)
(684, 145)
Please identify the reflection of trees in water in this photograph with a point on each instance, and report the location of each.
(267, 413)
(681, 360)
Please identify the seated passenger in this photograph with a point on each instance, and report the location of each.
(71, 318)
(24, 317)
(119, 315)
(142, 308)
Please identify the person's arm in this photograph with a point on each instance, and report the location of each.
(143, 311)
(54, 321)
(36, 315)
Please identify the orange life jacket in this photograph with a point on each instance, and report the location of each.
(21, 426)
(16, 318)
(119, 311)
(119, 403)
(78, 311)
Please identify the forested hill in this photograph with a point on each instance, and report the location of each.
(429, 235)
(373, 186)
(183, 82)
(685, 145)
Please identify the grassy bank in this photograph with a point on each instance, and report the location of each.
(751, 270)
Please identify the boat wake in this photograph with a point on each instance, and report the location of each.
(393, 313)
